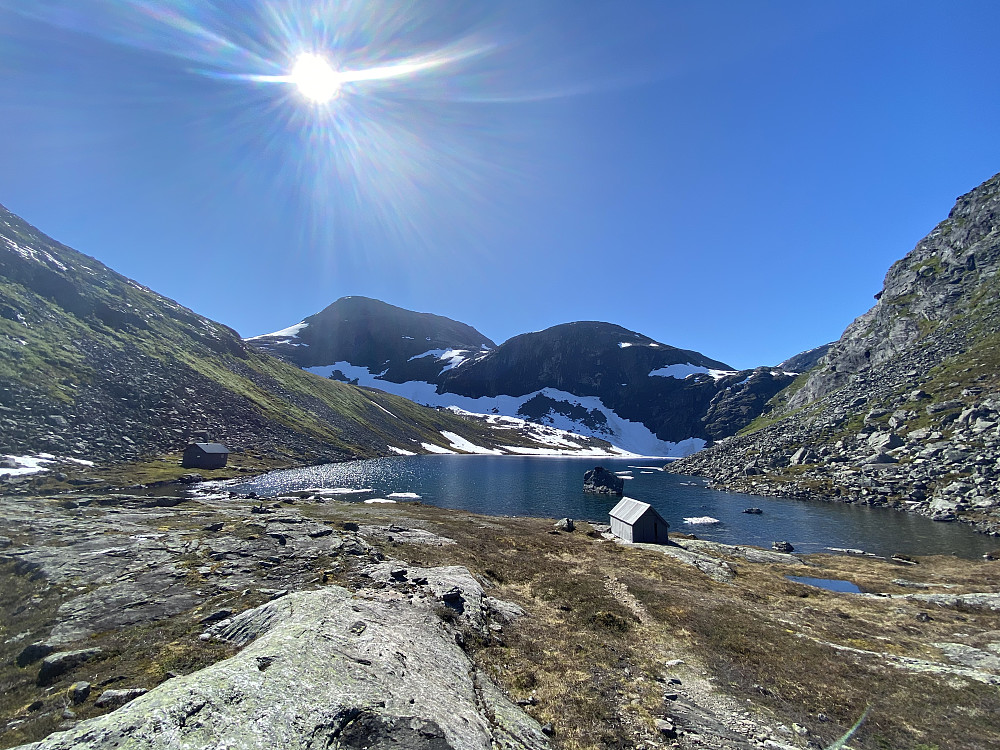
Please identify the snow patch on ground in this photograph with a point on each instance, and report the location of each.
(400, 451)
(373, 500)
(435, 448)
(632, 438)
(24, 465)
(459, 443)
(385, 410)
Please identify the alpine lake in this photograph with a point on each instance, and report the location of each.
(552, 487)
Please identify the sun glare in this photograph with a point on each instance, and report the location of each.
(315, 79)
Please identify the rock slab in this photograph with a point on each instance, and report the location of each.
(313, 678)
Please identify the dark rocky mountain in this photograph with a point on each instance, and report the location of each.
(96, 366)
(370, 333)
(904, 408)
(590, 377)
(805, 361)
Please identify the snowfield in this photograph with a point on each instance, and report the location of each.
(632, 438)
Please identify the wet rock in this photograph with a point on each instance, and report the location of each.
(782, 546)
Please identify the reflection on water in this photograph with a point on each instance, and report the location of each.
(830, 584)
(552, 488)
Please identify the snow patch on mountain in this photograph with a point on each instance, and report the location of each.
(454, 357)
(633, 437)
(286, 333)
(686, 370)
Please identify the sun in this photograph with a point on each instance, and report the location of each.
(316, 80)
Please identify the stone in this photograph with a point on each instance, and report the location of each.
(565, 524)
(33, 653)
(602, 481)
(666, 728)
(219, 614)
(782, 547)
(79, 691)
(880, 458)
(802, 456)
(884, 441)
(116, 698)
(59, 663)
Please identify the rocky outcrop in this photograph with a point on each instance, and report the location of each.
(601, 481)
(941, 280)
(904, 410)
(325, 669)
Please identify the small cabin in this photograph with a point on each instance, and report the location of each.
(632, 521)
(205, 456)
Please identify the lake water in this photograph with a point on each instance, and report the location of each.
(552, 488)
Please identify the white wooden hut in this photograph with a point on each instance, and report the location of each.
(633, 521)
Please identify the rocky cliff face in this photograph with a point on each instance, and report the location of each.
(590, 377)
(948, 276)
(904, 409)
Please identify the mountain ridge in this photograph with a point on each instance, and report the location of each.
(96, 366)
(591, 377)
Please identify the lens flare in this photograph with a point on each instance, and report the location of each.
(316, 80)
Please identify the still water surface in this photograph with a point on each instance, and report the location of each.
(552, 487)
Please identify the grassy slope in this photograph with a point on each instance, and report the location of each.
(57, 310)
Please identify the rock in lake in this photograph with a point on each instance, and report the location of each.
(782, 547)
(602, 481)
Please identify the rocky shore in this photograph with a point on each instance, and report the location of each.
(904, 409)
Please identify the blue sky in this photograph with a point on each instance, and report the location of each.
(731, 177)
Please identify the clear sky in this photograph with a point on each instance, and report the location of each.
(731, 177)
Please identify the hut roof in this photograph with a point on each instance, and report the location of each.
(211, 447)
(629, 510)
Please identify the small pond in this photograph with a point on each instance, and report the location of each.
(830, 584)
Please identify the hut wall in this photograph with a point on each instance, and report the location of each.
(649, 529)
(621, 529)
